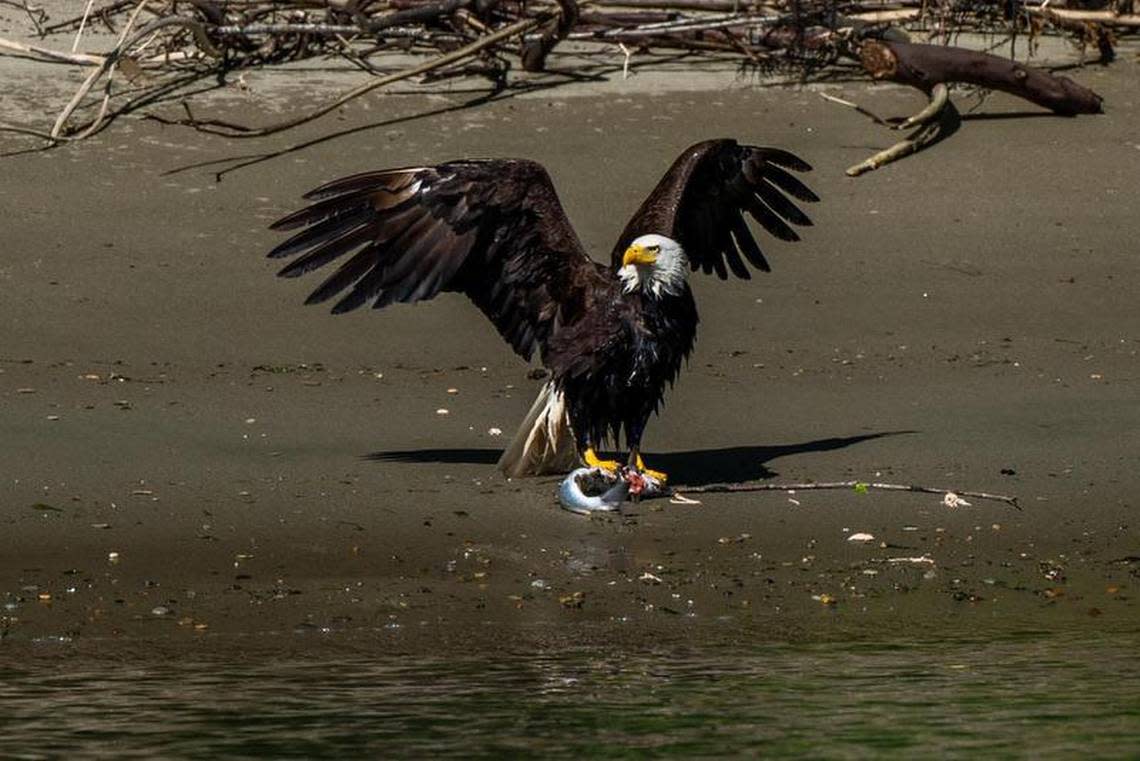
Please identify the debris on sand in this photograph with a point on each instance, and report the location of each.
(952, 500)
(160, 55)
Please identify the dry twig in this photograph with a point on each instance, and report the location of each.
(108, 67)
(47, 54)
(236, 130)
(856, 485)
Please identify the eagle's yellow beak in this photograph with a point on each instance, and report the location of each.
(636, 254)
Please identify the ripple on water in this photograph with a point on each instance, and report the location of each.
(1023, 697)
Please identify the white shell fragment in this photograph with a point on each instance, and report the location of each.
(952, 500)
(861, 537)
(919, 559)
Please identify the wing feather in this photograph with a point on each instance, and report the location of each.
(331, 208)
(736, 264)
(343, 277)
(789, 184)
(494, 230)
(780, 204)
(366, 182)
(371, 286)
(748, 245)
(786, 159)
(326, 251)
(700, 200)
(322, 230)
(718, 265)
(769, 219)
(416, 275)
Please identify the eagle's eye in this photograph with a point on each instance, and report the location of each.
(655, 249)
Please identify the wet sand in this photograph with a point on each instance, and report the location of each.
(192, 460)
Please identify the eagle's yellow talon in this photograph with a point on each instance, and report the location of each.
(591, 460)
(654, 474)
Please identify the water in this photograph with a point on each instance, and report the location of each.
(1032, 696)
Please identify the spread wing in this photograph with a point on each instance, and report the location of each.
(493, 230)
(702, 199)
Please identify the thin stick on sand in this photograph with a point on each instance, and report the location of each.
(866, 112)
(82, 26)
(950, 495)
(55, 56)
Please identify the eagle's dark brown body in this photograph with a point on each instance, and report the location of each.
(496, 231)
(623, 380)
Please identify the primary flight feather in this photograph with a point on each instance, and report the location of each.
(613, 338)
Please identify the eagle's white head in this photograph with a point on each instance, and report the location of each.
(655, 264)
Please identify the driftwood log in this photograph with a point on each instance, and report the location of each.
(931, 68)
(924, 66)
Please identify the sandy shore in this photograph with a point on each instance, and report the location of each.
(191, 459)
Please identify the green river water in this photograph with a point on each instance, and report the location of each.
(1032, 695)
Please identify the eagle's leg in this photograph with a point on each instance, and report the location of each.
(590, 457)
(633, 436)
(580, 424)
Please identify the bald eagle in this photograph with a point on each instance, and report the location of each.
(612, 337)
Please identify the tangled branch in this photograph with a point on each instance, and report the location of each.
(164, 45)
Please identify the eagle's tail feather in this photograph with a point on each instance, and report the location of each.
(544, 442)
